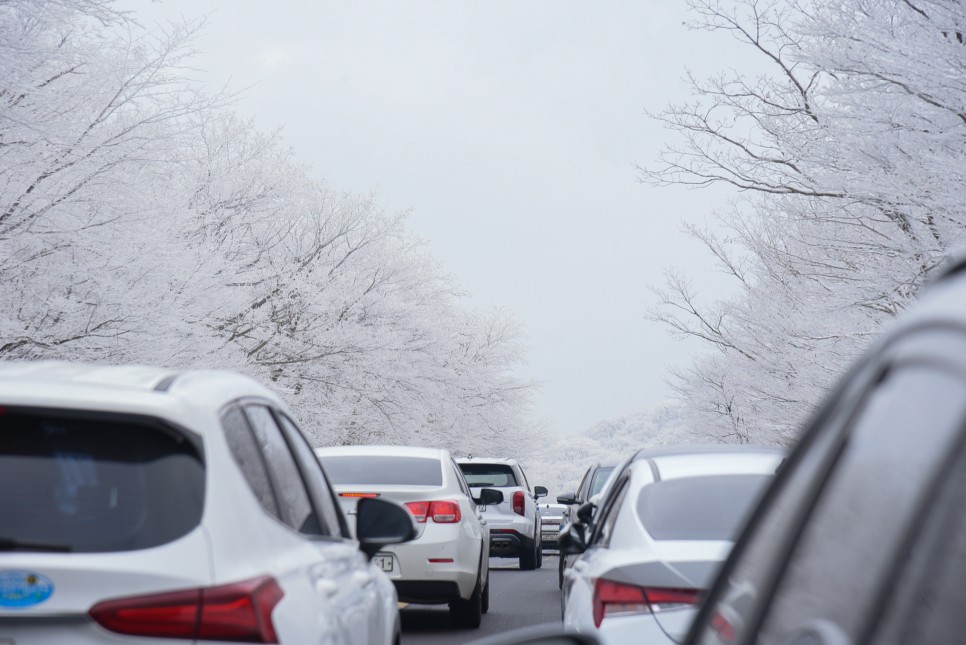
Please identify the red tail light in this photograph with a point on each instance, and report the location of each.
(360, 495)
(615, 598)
(241, 611)
(445, 512)
(519, 506)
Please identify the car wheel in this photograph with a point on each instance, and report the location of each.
(468, 613)
(560, 570)
(528, 557)
(540, 554)
(485, 602)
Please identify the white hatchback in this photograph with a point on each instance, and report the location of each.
(446, 563)
(179, 506)
(666, 521)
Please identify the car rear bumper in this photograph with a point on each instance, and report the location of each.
(426, 592)
(436, 567)
(507, 543)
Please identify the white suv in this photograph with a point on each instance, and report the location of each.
(187, 506)
(446, 562)
(514, 523)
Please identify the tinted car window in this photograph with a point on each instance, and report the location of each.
(856, 530)
(380, 470)
(248, 457)
(604, 522)
(293, 500)
(925, 602)
(698, 508)
(489, 475)
(599, 479)
(315, 482)
(88, 484)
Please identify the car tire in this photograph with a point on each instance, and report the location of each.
(485, 601)
(528, 557)
(560, 570)
(540, 554)
(468, 613)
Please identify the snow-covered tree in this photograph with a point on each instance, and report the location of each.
(848, 156)
(141, 221)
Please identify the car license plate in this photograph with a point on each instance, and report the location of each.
(384, 562)
(550, 536)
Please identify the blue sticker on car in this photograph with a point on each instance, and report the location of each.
(20, 589)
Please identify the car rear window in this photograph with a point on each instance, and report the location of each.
(95, 484)
(488, 475)
(600, 478)
(383, 471)
(699, 508)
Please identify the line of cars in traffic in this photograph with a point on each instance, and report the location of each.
(857, 539)
(166, 506)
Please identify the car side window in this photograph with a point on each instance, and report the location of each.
(458, 474)
(244, 450)
(856, 531)
(293, 500)
(604, 523)
(318, 486)
(926, 600)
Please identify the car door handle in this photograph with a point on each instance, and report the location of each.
(326, 587)
(579, 567)
(361, 578)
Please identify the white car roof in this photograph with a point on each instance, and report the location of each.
(136, 389)
(487, 460)
(390, 451)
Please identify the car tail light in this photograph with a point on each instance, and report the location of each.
(360, 495)
(519, 506)
(445, 512)
(241, 611)
(615, 599)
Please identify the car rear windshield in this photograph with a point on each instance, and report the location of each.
(600, 478)
(488, 475)
(698, 508)
(75, 482)
(383, 471)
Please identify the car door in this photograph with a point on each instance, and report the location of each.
(580, 577)
(479, 529)
(337, 572)
(820, 551)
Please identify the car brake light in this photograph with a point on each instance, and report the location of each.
(518, 503)
(444, 512)
(360, 495)
(419, 510)
(241, 611)
(615, 599)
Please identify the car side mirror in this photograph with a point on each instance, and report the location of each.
(567, 498)
(572, 539)
(380, 523)
(489, 497)
(540, 491)
(585, 512)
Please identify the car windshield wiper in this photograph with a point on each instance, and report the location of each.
(9, 544)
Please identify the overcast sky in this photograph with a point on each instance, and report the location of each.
(510, 130)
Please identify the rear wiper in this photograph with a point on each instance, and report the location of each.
(9, 544)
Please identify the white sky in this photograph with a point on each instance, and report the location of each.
(511, 130)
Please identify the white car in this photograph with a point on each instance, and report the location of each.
(514, 523)
(175, 506)
(664, 525)
(446, 563)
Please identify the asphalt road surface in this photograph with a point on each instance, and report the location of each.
(517, 599)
